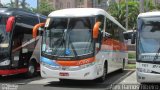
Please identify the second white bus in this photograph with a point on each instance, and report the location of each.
(148, 47)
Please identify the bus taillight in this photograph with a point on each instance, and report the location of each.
(10, 23)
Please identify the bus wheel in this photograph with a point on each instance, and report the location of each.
(103, 77)
(63, 80)
(31, 69)
(123, 66)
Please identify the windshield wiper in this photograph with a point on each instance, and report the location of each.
(75, 53)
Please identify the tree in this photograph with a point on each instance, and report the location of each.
(18, 4)
(118, 11)
(45, 8)
(23, 3)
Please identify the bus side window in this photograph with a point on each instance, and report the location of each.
(121, 36)
(109, 28)
(116, 32)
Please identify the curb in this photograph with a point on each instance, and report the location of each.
(120, 79)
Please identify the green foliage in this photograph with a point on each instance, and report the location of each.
(131, 55)
(45, 8)
(149, 6)
(22, 4)
(130, 66)
(118, 11)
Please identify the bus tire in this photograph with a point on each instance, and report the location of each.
(31, 69)
(103, 77)
(123, 66)
(63, 80)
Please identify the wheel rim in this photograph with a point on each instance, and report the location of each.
(31, 69)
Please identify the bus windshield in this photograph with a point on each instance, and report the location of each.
(4, 39)
(68, 37)
(149, 38)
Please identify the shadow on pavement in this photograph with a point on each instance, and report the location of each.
(18, 79)
(111, 79)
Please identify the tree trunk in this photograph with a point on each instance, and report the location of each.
(16, 3)
(23, 4)
(141, 6)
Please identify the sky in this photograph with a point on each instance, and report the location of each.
(32, 3)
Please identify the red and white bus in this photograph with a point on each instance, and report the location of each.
(81, 44)
(19, 52)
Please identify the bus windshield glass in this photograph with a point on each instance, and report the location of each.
(149, 38)
(68, 37)
(4, 39)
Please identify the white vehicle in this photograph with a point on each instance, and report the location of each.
(82, 44)
(127, 36)
(148, 47)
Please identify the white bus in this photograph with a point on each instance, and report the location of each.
(148, 47)
(81, 44)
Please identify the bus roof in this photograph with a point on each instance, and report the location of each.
(18, 11)
(82, 12)
(149, 14)
(77, 12)
(24, 18)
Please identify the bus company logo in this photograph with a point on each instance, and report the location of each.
(9, 87)
(83, 62)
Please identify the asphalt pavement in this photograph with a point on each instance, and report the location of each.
(18, 82)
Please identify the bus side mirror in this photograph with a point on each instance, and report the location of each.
(107, 35)
(35, 29)
(10, 23)
(133, 38)
(96, 30)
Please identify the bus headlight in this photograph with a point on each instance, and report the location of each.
(5, 63)
(144, 70)
(86, 65)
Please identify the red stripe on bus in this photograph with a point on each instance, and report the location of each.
(113, 45)
(13, 71)
(75, 62)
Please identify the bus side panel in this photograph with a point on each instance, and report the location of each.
(109, 54)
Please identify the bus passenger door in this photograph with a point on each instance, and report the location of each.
(16, 47)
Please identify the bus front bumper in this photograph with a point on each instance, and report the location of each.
(148, 77)
(88, 73)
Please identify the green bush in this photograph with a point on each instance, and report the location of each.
(131, 55)
(130, 66)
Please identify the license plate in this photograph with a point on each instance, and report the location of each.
(63, 74)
